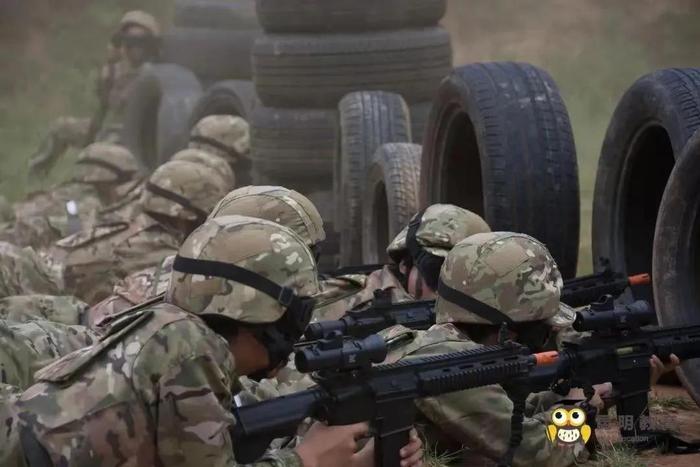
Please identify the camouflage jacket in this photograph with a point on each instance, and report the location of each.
(95, 260)
(42, 218)
(156, 389)
(23, 272)
(342, 294)
(59, 309)
(133, 289)
(27, 347)
(479, 419)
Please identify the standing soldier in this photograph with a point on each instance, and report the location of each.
(135, 43)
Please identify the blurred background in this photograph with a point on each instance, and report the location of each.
(50, 51)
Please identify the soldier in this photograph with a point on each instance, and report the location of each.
(278, 204)
(417, 254)
(205, 158)
(27, 347)
(157, 388)
(513, 279)
(106, 187)
(228, 137)
(23, 272)
(135, 43)
(176, 199)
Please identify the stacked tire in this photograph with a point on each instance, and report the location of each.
(213, 38)
(315, 52)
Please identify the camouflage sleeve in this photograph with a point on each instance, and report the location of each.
(480, 419)
(193, 418)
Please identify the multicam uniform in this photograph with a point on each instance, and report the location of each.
(157, 388)
(58, 309)
(281, 205)
(103, 172)
(113, 87)
(95, 260)
(23, 272)
(27, 347)
(512, 273)
(441, 227)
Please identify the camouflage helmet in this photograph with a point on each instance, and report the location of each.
(184, 190)
(441, 227)
(140, 18)
(512, 273)
(106, 163)
(210, 160)
(257, 246)
(277, 204)
(227, 135)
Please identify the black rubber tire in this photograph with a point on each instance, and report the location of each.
(293, 144)
(318, 70)
(230, 97)
(499, 143)
(333, 16)
(213, 54)
(420, 114)
(367, 121)
(390, 198)
(676, 258)
(216, 14)
(649, 128)
(158, 108)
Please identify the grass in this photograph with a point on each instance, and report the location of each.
(433, 458)
(617, 455)
(672, 402)
(594, 49)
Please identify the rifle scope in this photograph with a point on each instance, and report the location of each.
(341, 354)
(606, 316)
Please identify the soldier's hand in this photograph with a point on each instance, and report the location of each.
(659, 368)
(331, 445)
(411, 454)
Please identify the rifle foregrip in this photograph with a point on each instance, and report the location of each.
(448, 380)
(258, 424)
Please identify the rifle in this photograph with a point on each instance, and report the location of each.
(350, 390)
(420, 315)
(584, 290)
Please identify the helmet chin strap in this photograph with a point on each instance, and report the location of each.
(278, 337)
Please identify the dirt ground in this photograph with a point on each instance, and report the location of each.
(672, 409)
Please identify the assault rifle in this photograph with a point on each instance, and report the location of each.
(350, 390)
(420, 315)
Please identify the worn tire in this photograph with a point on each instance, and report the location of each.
(676, 257)
(333, 16)
(216, 14)
(293, 144)
(158, 108)
(318, 70)
(367, 121)
(499, 143)
(649, 128)
(420, 114)
(390, 198)
(213, 54)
